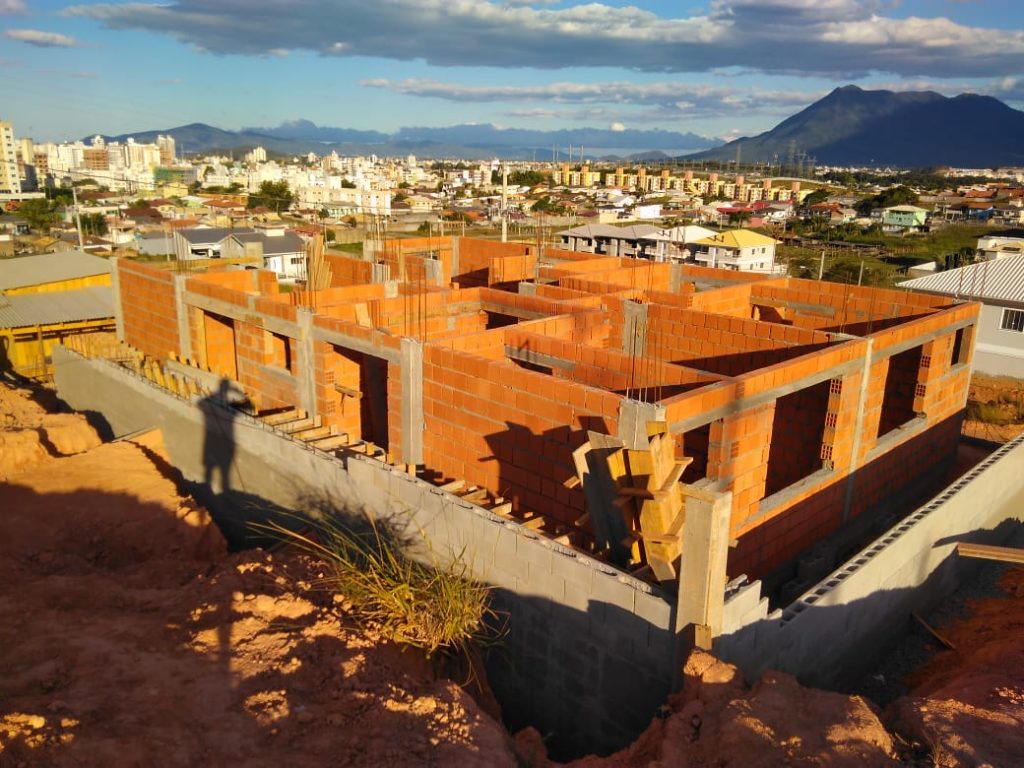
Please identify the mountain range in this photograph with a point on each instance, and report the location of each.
(914, 129)
(470, 141)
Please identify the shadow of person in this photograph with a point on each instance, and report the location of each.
(219, 438)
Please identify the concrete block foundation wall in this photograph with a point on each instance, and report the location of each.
(866, 603)
(590, 653)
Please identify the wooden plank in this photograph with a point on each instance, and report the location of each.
(533, 523)
(291, 427)
(314, 433)
(505, 510)
(452, 486)
(476, 496)
(933, 633)
(990, 552)
(330, 443)
(285, 416)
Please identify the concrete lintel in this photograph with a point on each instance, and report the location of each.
(634, 416)
(305, 363)
(218, 306)
(412, 401)
(115, 289)
(356, 345)
(634, 329)
(918, 341)
(527, 289)
(762, 398)
(537, 358)
(181, 309)
(391, 289)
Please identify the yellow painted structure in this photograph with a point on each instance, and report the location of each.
(26, 351)
(73, 284)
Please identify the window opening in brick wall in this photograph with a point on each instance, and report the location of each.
(797, 430)
(900, 389)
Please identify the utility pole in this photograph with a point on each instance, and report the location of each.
(821, 267)
(504, 203)
(78, 217)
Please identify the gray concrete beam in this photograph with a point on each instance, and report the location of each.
(356, 345)
(633, 418)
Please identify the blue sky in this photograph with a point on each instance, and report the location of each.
(718, 68)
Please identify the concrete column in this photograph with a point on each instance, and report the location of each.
(381, 273)
(634, 330)
(633, 418)
(115, 289)
(702, 577)
(434, 271)
(181, 310)
(858, 429)
(527, 289)
(675, 277)
(455, 257)
(305, 365)
(412, 401)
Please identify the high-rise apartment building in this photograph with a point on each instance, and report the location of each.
(10, 181)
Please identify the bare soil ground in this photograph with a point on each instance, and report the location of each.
(999, 402)
(130, 637)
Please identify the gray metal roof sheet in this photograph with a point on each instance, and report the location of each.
(995, 280)
(56, 307)
(212, 234)
(49, 268)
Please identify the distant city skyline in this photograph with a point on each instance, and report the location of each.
(720, 68)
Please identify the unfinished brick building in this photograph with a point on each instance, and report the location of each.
(810, 403)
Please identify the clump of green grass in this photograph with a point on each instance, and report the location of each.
(429, 607)
(987, 413)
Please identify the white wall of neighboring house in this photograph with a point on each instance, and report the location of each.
(999, 350)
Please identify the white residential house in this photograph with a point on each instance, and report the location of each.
(998, 245)
(738, 249)
(203, 242)
(999, 285)
(283, 252)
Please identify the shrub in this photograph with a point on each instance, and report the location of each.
(426, 606)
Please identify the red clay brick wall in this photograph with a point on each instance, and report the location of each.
(147, 304)
(509, 430)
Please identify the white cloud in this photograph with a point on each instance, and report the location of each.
(669, 100)
(13, 8)
(847, 38)
(42, 39)
(617, 127)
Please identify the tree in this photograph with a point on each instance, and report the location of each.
(329, 236)
(93, 224)
(817, 196)
(272, 194)
(40, 214)
(346, 184)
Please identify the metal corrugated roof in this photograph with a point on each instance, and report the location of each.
(56, 307)
(995, 280)
(50, 268)
(203, 235)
